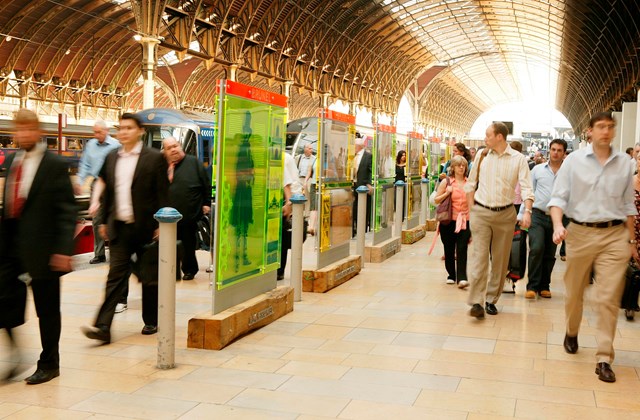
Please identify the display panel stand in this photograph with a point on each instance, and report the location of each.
(248, 216)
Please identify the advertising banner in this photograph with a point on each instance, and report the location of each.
(384, 177)
(250, 188)
(337, 171)
(414, 176)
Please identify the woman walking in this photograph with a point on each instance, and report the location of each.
(455, 235)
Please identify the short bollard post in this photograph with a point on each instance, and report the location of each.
(424, 202)
(399, 207)
(297, 238)
(168, 218)
(361, 226)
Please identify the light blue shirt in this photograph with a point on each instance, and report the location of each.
(93, 157)
(589, 192)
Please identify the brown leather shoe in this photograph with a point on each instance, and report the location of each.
(605, 373)
(477, 311)
(571, 344)
(545, 294)
(530, 294)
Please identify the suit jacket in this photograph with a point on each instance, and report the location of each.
(149, 192)
(48, 220)
(190, 189)
(364, 174)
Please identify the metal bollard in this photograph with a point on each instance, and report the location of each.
(399, 207)
(297, 236)
(168, 218)
(361, 225)
(424, 202)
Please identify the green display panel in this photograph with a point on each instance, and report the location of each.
(384, 171)
(336, 178)
(250, 182)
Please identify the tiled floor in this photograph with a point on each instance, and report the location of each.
(394, 342)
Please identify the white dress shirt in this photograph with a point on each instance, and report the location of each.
(125, 169)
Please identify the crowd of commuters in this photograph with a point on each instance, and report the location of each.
(591, 198)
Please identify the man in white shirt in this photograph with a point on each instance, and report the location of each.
(494, 176)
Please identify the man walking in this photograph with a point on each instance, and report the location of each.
(595, 189)
(190, 194)
(36, 233)
(136, 186)
(93, 156)
(362, 175)
(542, 249)
(493, 179)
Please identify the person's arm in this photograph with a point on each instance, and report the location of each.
(559, 200)
(287, 207)
(64, 219)
(443, 191)
(526, 191)
(205, 187)
(83, 170)
(472, 182)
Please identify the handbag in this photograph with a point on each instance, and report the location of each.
(444, 211)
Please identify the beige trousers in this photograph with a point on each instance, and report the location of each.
(608, 252)
(492, 234)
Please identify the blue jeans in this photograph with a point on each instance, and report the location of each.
(542, 252)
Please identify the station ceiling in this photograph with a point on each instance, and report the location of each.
(456, 58)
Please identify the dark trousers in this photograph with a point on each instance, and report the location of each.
(46, 298)
(285, 245)
(187, 234)
(542, 251)
(455, 244)
(123, 247)
(355, 212)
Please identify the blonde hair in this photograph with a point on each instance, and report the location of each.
(457, 161)
(25, 116)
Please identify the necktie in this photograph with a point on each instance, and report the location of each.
(170, 171)
(18, 202)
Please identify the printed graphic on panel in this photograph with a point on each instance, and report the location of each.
(250, 192)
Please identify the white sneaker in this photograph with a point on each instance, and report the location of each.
(451, 281)
(463, 284)
(121, 307)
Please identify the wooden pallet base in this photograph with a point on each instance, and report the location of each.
(431, 225)
(319, 281)
(412, 236)
(213, 332)
(383, 251)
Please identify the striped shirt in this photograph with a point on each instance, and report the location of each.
(499, 175)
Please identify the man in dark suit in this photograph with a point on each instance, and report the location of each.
(190, 194)
(362, 166)
(135, 188)
(36, 233)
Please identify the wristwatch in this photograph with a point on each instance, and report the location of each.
(528, 210)
(633, 241)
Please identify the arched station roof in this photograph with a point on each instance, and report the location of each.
(458, 58)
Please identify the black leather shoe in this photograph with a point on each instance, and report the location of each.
(570, 344)
(604, 372)
(95, 333)
(97, 260)
(149, 329)
(491, 309)
(188, 277)
(280, 276)
(41, 376)
(477, 311)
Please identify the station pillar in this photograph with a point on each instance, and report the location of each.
(149, 48)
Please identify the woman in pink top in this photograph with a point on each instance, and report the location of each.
(455, 235)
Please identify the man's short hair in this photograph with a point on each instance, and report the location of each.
(500, 128)
(131, 116)
(100, 124)
(560, 142)
(26, 116)
(629, 151)
(516, 145)
(601, 116)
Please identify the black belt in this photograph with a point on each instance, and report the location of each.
(495, 208)
(607, 224)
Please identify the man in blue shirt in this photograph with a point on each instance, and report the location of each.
(93, 156)
(594, 188)
(542, 249)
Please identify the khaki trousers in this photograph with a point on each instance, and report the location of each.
(607, 251)
(492, 234)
